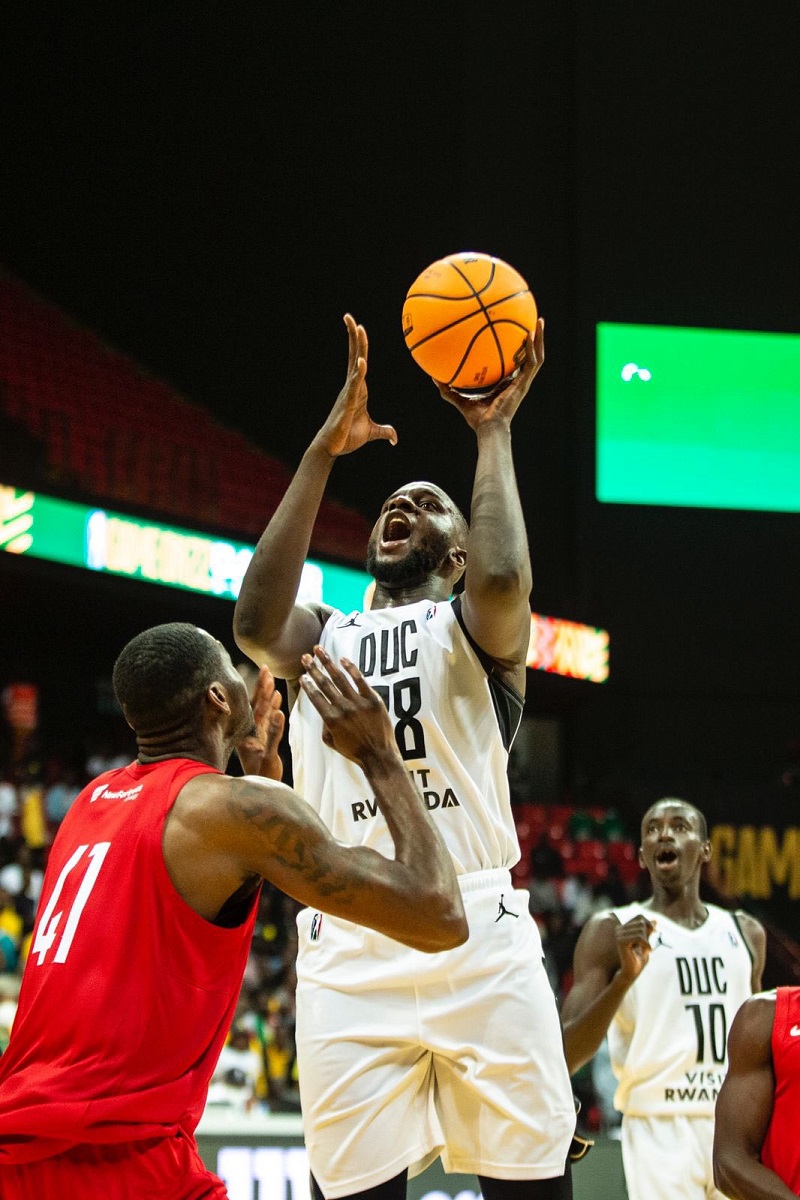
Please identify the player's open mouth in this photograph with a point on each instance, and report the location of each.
(396, 529)
(666, 858)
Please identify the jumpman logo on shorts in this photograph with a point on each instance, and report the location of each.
(504, 912)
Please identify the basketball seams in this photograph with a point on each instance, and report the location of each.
(485, 310)
(449, 343)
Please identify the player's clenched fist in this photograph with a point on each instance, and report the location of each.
(633, 946)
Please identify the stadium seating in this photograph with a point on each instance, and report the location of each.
(113, 434)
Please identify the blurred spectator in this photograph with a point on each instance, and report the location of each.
(9, 992)
(59, 796)
(612, 828)
(582, 826)
(546, 860)
(237, 1075)
(604, 1082)
(613, 889)
(558, 943)
(9, 809)
(546, 875)
(280, 1054)
(577, 897)
(11, 930)
(102, 757)
(31, 814)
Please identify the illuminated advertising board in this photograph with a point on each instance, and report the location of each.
(116, 544)
(707, 418)
(112, 543)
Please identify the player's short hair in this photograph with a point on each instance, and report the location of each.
(676, 800)
(161, 674)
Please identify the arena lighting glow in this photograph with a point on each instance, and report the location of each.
(112, 543)
(706, 418)
(568, 648)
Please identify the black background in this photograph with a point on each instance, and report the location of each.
(211, 187)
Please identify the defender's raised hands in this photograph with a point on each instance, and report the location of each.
(355, 719)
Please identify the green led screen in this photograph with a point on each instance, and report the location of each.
(114, 543)
(707, 418)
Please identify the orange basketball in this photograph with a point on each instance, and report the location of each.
(466, 318)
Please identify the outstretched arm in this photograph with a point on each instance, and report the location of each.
(267, 623)
(496, 602)
(744, 1107)
(608, 959)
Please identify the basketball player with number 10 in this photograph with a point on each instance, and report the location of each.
(665, 979)
(403, 1059)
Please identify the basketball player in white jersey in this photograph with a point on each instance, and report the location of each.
(405, 1057)
(664, 979)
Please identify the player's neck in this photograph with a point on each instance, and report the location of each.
(681, 904)
(209, 750)
(392, 596)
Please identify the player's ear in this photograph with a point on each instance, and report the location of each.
(458, 557)
(642, 863)
(217, 697)
(705, 853)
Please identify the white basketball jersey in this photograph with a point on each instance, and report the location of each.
(668, 1040)
(453, 724)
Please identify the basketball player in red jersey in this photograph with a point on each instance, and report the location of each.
(756, 1144)
(148, 907)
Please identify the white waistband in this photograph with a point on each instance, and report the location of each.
(478, 881)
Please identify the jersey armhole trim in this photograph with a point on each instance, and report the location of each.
(506, 700)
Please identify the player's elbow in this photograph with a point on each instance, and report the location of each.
(508, 581)
(247, 631)
(728, 1176)
(724, 1177)
(442, 924)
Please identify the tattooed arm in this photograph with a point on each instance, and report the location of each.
(223, 833)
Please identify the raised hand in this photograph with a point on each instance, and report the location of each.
(503, 402)
(355, 720)
(258, 752)
(633, 946)
(349, 425)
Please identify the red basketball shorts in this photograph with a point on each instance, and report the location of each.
(160, 1169)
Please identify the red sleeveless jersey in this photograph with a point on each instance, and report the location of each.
(781, 1149)
(128, 993)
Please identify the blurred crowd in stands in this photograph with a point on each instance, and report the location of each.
(575, 861)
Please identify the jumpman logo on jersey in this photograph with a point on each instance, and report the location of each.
(660, 942)
(348, 624)
(504, 912)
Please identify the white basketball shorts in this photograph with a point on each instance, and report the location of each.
(669, 1157)
(404, 1056)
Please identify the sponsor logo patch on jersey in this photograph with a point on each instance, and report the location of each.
(794, 1031)
(316, 927)
(103, 793)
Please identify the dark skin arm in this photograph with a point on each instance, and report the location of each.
(495, 605)
(267, 624)
(608, 959)
(224, 833)
(756, 939)
(744, 1107)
